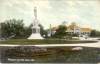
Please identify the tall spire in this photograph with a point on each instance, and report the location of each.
(35, 12)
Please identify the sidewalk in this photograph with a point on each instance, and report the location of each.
(97, 45)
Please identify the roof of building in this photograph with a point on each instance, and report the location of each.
(85, 29)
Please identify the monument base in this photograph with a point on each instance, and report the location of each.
(35, 36)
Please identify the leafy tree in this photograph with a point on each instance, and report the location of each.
(42, 31)
(95, 33)
(14, 28)
(60, 32)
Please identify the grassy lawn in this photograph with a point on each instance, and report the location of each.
(65, 54)
(44, 41)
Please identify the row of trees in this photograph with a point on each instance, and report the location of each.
(16, 29)
(61, 33)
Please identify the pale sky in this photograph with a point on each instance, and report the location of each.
(54, 12)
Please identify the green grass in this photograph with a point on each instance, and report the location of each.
(44, 41)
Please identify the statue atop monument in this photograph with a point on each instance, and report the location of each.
(35, 27)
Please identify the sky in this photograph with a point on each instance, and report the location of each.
(86, 13)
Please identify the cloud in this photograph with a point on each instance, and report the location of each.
(52, 11)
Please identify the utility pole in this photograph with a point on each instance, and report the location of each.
(50, 30)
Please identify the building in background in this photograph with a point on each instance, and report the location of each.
(73, 28)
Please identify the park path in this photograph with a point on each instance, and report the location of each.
(96, 44)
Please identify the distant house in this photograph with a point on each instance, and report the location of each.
(73, 28)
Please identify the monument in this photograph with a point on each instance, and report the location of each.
(35, 27)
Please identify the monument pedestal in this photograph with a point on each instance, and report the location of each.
(35, 36)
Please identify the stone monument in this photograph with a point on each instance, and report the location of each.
(35, 27)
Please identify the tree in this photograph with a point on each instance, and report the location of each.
(13, 28)
(95, 33)
(60, 32)
(42, 31)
